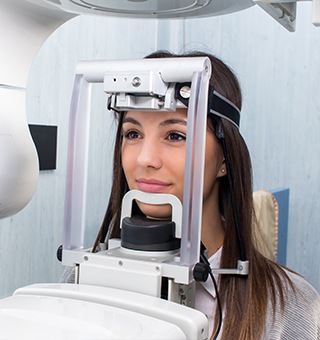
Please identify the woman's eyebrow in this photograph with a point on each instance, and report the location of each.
(130, 120)
(173, 121)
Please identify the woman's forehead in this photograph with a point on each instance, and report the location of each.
(156, 115)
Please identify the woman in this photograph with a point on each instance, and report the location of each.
(271, 302)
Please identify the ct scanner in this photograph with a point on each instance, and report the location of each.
(93, 309)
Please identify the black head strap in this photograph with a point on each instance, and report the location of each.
(217, 104)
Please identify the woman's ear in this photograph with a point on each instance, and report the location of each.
(223, 169)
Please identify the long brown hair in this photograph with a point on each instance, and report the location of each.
(244, 299)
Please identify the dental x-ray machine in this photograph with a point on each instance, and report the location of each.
(123, 287)
(119, 291)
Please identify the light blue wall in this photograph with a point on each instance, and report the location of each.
(278, 72)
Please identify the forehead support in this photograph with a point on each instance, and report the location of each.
(139, 90)
(145, 90)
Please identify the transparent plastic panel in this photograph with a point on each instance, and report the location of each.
(194, 169)
(77, 164)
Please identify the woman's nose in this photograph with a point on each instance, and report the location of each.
(149, 155)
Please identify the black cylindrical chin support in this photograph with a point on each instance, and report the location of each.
(145, 234)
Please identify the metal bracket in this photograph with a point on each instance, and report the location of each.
(283, 12)
(242, 269)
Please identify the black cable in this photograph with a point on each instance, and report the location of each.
(220, 136)
(206, 262)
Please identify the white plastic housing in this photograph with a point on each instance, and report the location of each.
(18, 156)
(68, 311)
(24, 27)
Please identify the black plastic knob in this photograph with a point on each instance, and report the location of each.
(201, 272)
(59, 253)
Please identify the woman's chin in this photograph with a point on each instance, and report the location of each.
(157, 212)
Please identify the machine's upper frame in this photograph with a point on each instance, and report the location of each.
(146, 84)
(155, 78)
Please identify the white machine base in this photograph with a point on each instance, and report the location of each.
(70, 311)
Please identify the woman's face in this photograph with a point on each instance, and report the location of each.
(153, 156)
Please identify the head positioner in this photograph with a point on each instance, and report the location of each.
(143, 85)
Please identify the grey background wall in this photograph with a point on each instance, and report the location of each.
(279, 74)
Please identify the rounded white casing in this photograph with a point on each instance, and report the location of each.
(25, 27)
(18, 157)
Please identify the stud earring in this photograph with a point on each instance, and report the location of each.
(223, 170)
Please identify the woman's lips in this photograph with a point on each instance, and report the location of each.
(152, 185)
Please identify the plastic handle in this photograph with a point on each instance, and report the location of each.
(153, 199)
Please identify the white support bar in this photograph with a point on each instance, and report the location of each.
(170, 69)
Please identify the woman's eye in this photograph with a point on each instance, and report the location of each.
(131, 135)
(176, 136)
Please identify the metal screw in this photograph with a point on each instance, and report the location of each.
(160, 102)
(185, 92)
(136, 82)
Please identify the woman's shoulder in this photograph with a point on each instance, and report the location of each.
(300, 318)
(303, 290)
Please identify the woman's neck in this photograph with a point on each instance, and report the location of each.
(212, 232)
